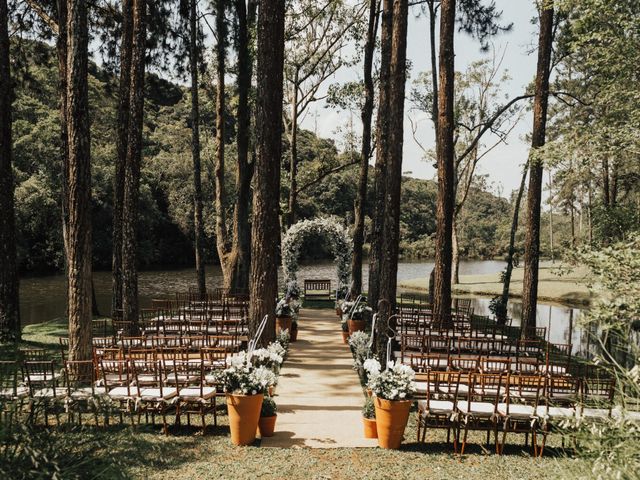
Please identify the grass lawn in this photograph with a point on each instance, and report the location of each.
(142, 451)
(568, 288)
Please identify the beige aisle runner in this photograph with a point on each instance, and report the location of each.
(319, 396)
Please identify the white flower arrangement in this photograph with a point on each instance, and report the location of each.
(243, 378)
(394, 383)
(338, 236)
(359, 343)
(263, 357)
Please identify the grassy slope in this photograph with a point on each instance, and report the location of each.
(570, 288)
(143, 452)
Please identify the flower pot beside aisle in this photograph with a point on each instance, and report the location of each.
(244, 414)
(282, 324)
(268, 416)
(356, 325)
(370, 427)
(392, 390)
(345, 338)
(391, 420)
(294, 332)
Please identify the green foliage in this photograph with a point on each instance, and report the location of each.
(269, 407)
(369, 409)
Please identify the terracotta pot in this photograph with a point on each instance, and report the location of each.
(391, 420)
(293, 332)
(370, 429)
(345, 337)
(267, 425)
(244, 413)
(283, 323)
(272, 391)
(356, 325)
(339, 311)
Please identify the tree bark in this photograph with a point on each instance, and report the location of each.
(9, 289)
(122, 140)
(79, 183)
(221, 223)
(263, 285)
(132, 167)
(501, 312)
(239, 260)
(445, 158)
(433, 16)
(455, 252)
(198, 225)
(382, 138)
(61, 50)
(532, 239)
(391, 227)
(293, 159)
(365, 152)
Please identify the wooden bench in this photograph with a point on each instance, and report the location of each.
(317, 289)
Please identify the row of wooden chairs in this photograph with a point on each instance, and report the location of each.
(507, 403)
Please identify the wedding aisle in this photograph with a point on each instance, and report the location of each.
(319, 396)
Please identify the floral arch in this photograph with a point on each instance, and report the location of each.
(339, 241)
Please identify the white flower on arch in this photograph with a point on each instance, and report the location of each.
(333, 230)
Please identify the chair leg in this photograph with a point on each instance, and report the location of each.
(464, 439)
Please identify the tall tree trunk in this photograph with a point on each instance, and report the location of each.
(391, 228)
(532, 239)
(221, 224)
(382, 139)
(445, 156)
(455, 252)
(365, 152)
(122, 141)
(606, 196)
(263, 284)
(61, 50)
(433, 16)
(79, 184)
(501, 312)
(9, 291)
(240, 258)
(132, 167)
(293, 159)
(198, 225)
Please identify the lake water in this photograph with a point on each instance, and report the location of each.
(43, 298)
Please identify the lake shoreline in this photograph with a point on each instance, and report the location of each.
(569, 289)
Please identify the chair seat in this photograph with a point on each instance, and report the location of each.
(50, 393)
(194, 393)
(423, 387)
(87, 392)
(489, 391)
(151, 394)
(593, 413)
(555, 412)
(10, 393)
(449, 389)
(516, 410)
(120, 392)
(553, 370)
(435, 407)
(632, 415)
(524, 394)
(475, 409)
(43, 377)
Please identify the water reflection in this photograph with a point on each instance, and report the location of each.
(43, 298)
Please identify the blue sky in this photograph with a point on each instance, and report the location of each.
(504, 163)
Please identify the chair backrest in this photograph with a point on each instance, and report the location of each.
(148, 374)
(214, 357)
(562, 390)
(34, 355)
(79, 374)
(115, 373)
(9, 379)
(524, 387)
(464, 364)
(598, 392)
(427, 362)
(64, 347)
(41, 374)
(495, 364)
(317, 287)
(488, 387)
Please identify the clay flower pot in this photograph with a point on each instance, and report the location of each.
(339, 311)
(391, 420)
(283, 323)
(356, 325)
(345, 338)
(293, 332)
(272, 390)
(370, 428)
(244, 413)
(267, 425)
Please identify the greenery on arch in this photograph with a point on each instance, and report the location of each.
(333, 230)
